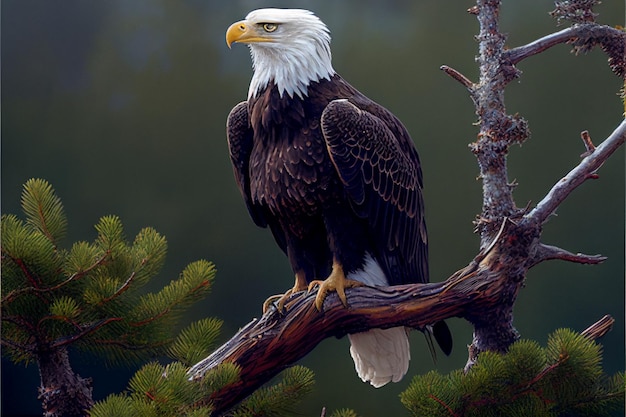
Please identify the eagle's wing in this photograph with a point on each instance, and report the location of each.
(380, 170)
(240, 135)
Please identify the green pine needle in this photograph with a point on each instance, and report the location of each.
(219, 377)
(110, 233)
(563, 379)
(279, 400)
(30, 252)
(81, 258)
(427, 395)
(344, 412)
(14, 236)
(196, 341)
(149, 250)
(115, 405)
(524, 360)
(193, 284)
(65, 307)
(44, 209)
(160, 391)
(149, 384)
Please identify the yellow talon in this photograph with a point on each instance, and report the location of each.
(281, 299)
(270, 300)
(337, 282)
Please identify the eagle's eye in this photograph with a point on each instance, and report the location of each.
(270, 27)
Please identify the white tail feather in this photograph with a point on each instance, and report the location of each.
(380, 355)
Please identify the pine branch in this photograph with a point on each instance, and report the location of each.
(564, 378)
(86, 297)
(125, 286)
(84, 331)
(25, 290)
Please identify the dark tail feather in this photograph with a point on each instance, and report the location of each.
(442, 335)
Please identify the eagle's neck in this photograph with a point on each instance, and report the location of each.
(292, 67)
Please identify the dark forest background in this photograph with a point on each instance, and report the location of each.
(122, 106)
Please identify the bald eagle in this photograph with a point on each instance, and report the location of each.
(332, 174)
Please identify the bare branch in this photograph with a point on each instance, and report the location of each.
(599, 328)
(520, 53)
(548, 252)
(577, 176)
(567, 35)
(589, 146)
(458, 76)
(584, 37)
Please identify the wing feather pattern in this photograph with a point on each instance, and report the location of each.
(380, 170)
(240, 142)
(240, 136)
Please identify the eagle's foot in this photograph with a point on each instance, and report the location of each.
(281, 299)
(337, 282)
(276, 298)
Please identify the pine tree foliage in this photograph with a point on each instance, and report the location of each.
(156, 390)
(563, 379)
(165, 391)
(91, 296)
(193, 343)
(280, 399)
(44, 212)
(344, 412)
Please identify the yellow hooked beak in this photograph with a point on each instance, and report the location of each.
(243, 32)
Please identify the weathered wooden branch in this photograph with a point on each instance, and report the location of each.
(485, 291)
(266, 346)
(572, 35)
(582, 172)
(599, 328)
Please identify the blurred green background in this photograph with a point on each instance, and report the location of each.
(121, 105)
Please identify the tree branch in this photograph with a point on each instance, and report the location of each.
(568, 35)
(266, 346)
(36, 289)
(599, 328)
(458, 76)
(547, 252)
(578, 175)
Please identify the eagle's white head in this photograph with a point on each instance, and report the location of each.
(289, 46)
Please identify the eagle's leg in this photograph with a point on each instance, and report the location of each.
(336, 281)
(281, 299)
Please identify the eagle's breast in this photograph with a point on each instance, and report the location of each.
(291, 173)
